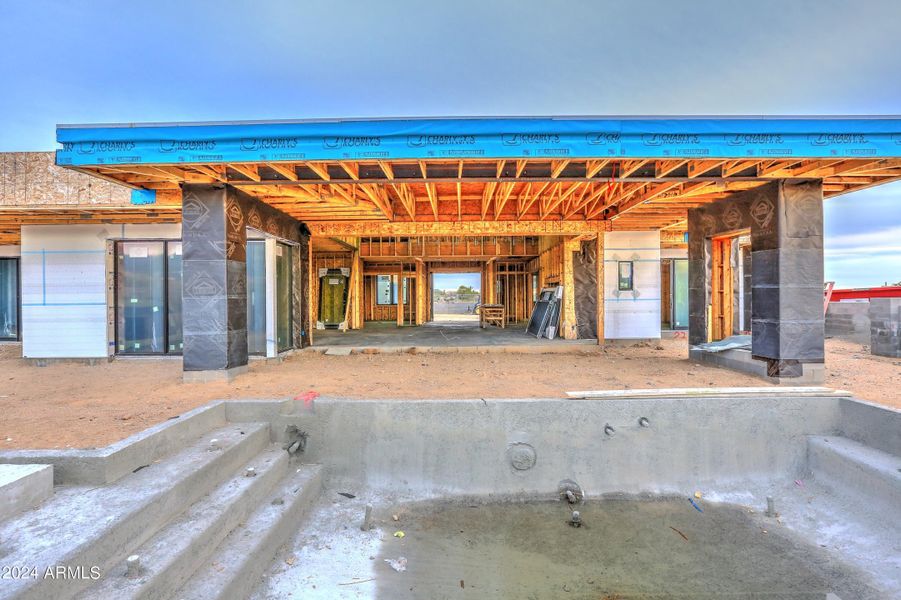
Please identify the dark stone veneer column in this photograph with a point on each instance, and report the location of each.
(786, 222)
(215, 219)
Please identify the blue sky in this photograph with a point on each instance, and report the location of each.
(160, 60)
(452, 281)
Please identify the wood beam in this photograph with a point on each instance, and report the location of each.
(249, 170)
(452, 228)
(557, 167)
(320, 169)
(286, 170)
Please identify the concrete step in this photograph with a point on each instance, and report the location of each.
(87, 531)
(237, 564)
(856, 471)
(23, 487)
(169, 559)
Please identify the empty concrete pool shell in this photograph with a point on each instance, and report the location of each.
(268, 498)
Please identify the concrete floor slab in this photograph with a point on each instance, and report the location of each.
(388, 336)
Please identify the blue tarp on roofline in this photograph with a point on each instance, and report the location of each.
(555, 137)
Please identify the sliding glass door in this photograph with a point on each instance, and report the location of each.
(9, 298)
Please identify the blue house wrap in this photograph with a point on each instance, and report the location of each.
(474, 138)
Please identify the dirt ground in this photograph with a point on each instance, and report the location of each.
(75, 405)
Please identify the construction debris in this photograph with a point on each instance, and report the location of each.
(399, 564)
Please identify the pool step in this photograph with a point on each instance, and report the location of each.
(854, 470)
(83, 528)
(169, 559)
(237, 564)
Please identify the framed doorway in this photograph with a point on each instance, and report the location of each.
(456, 297)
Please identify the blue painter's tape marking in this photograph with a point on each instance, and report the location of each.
(44, 275)
(64, 303)
(45, 252)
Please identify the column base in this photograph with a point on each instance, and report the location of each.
(741, 360)
(213, 375)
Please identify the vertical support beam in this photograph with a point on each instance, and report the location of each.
(358, 291)
(420, 292)
(490, 296)
(787, 320)
(569, 329)
(600, 266)
(721, 295)
(400, 297)
(214, 242)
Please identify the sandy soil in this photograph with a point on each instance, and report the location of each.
(74, 405)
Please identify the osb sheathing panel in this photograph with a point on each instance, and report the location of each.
(32, 179)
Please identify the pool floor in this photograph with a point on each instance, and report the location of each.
(626, 549)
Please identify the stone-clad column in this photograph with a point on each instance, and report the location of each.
(787, 318)
(214, 245)
(786, 222)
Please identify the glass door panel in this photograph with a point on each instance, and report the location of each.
(256, 297)
(9, 298)
(680, 293)
(283, 286)
(141, 298)
(174, 279)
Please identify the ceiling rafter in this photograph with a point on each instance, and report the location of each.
(432, 192)
(286, 170)
(249, 170)
(557, 167)
(321, 169)
(352, 169)
(503, 196)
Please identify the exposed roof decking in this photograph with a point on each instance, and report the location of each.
(630, 193)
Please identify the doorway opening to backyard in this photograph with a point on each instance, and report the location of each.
(456, 297)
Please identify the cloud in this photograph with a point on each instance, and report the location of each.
(864, 259)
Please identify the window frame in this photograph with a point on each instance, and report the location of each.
(18, 337)
(619, 276)
(117, 245)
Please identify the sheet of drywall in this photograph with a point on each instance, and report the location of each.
(635, 313)
(64, 286)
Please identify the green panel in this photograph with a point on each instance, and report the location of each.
(332, 297)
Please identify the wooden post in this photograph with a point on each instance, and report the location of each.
(569, 331)
(420, 292)
(358, 287)
(400, 297)
(600, 275)
(490, 296)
